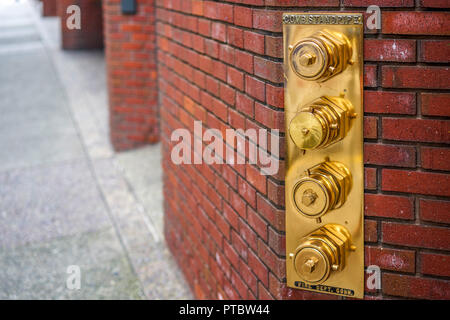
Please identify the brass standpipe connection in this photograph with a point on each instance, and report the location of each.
(323, 188)
(321, 56)
(322, 252)
(322, 123)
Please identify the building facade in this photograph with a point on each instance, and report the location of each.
(174, 62)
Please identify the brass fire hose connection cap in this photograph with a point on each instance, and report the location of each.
(324, 188)
(322, 252)
(321, 56)
(322, 123)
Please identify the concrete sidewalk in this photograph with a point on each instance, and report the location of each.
(65, 197)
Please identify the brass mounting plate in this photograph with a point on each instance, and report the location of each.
(349, 150)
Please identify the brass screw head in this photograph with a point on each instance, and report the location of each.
(310, 264)
(309, 196)
(307, 59)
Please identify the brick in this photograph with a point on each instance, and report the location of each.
(244, 104)
(273, 119)
(248, 277)
(390, 259)
(228, 95)
(212, 48)
(235, 78)
(254, 42)
(274, 46)
(244, 61)
(435, 158)
(274, 263)
(389, 155)
(370, 178)
(268, 69)
(269, 212)
(264, 294)
(417, 23)
(416, 236)
(218, 11)
(416, 130)
(197, 7)
(248, 235)
(267, 20)
(239, 284)
(386, 206)
(370, 231)
(434, 210)
(434, 51)
(240, 246)
(257, 223)
(237, 203)
(231, 254)
(435, 104)
(204, 27)
(255, 177)
(226, 54)
(258, 267)
(243, 16)
(235, 36)
(219, 31)
(247, 192)
(370, 127)
(255, 88)
(435, 264)
(302, 3)
(275, 192)
(370, 76)
(389, 102)
(414, 76)
(275, 96)
(434, 4)
(379, 3)
(415, 182)
(414, 287)
(277, 242)
(396, 50)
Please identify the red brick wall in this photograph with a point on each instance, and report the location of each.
(131, 69)
(221, 63)
(90, 34)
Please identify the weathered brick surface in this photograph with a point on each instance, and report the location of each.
(130, 48)
(221, 62)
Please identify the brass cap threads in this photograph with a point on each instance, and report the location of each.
(321, 56)
(322, 252)
(322, 123)
(325, 187)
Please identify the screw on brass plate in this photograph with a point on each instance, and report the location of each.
(307, 59)
(309, 196)
(310, 264)
(305, 131)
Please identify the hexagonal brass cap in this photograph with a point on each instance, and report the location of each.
(321, 56)
(322, 252)
(325, 121)
(324, 188)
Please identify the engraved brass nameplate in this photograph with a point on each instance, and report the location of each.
(323, 68)
(322, 18)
